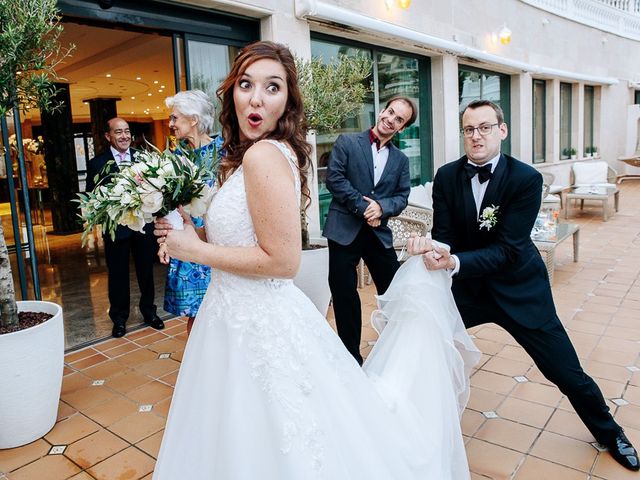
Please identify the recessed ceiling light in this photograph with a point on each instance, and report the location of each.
(149, 94)
(157, 107)
(138, 78)
(161, 86)
(108, 75)
(160, 91)
(131, 113)
(133, 98)
(155, 82)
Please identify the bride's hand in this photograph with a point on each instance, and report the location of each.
(417, 245)
(184, 244)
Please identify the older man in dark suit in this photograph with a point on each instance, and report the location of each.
(484, 207)
(142, 245)
(369, 180)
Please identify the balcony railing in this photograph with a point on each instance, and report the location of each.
(621, 17)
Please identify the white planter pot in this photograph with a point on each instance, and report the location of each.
(313, 277)
(31, 366)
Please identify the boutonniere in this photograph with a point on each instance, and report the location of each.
(489, 217)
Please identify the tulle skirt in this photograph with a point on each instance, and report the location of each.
(267, 391)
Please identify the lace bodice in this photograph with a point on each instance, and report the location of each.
(228, 221)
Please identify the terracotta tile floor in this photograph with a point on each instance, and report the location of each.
(109, 432)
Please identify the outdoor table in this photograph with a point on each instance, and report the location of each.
(596, 193)
(547, 244)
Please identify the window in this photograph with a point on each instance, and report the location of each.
(475, 84)
(393, 74)
(539, 120)
(589, 106)
(565, 121)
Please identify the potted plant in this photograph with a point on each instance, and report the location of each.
(573, 153)
(332, 92)
(31, 332)
(587, 152)
(594, 151)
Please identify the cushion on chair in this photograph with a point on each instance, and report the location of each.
(419, 196)
(551, 199)
(591, 173)
(557, 188)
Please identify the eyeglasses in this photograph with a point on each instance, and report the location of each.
(483, 130)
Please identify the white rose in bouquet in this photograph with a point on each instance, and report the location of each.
(151, 201)
(198, 206)
(134, 220)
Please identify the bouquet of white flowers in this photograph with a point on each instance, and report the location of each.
(155, 184)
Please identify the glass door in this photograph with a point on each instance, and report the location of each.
(207, 65)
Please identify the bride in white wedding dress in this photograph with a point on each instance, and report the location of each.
(266, 389)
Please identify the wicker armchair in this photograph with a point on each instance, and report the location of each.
(411, 219)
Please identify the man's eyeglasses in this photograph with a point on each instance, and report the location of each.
(483, 130)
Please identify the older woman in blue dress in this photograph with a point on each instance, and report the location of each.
(190, 121)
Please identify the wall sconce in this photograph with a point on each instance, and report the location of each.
(403, 4)
(504, 35)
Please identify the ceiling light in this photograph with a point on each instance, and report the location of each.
(138, 78)
(133, 98)
(161, 86)
(155, 82)
(404, 4)
(149, 94)
(108, 75)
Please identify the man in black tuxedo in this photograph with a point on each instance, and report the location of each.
(143, 246)
(369, 180)
(498, 274)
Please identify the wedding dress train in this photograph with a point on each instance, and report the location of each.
(267, 391)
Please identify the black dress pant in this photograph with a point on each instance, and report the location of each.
(382, 263)
(553, 353)
(144, 249)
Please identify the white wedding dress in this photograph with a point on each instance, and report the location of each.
(267, 391)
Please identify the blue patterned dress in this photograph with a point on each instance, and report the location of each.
(187, 282)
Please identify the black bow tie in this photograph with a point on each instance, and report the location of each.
(484, 172)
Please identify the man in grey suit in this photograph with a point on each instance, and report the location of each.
(369, 180)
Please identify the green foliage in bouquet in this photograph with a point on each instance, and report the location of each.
(153, 185)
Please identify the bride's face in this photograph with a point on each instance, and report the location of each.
(260, 97)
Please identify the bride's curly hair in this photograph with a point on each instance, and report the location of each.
(291, 126)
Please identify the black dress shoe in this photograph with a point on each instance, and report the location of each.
(118, 331)
(623, 452)
(155, 322)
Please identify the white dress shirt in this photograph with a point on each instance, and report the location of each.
(380, 158)
(118, 158)
(478, 190)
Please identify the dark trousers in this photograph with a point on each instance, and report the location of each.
(144, 248)
(382, 263)
(553, 353)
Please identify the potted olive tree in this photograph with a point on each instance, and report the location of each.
(31, 332)
(332, 92)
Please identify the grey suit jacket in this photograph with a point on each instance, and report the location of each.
(350, 177)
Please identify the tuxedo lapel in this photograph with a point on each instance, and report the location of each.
(470, 214)
(492, 194)
(367, 156)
